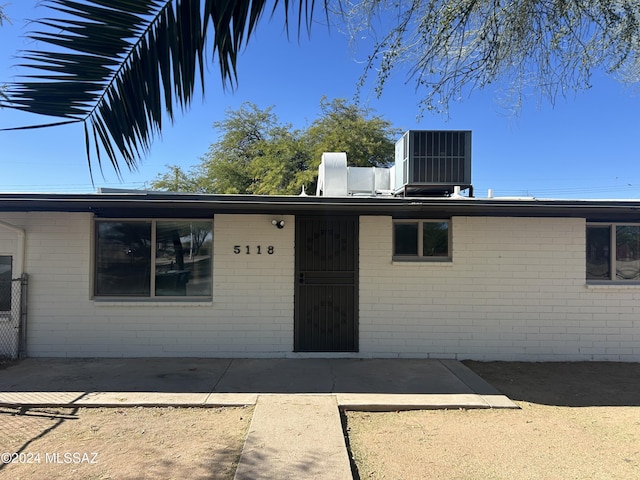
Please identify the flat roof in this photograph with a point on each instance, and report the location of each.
(162, 204)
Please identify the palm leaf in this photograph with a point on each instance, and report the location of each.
(118, 65)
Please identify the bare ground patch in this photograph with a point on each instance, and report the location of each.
(577, 421)
(122, 443)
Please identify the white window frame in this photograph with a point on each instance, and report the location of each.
(152, 297)
(420, 257)
(612, 254)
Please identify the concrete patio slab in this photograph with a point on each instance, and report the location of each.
(187, 375)
(277, 375)
(357, 383)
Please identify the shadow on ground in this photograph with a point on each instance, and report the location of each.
(37, 443)
(32, 425)
(571, 384)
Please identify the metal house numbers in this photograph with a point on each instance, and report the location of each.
(253, 249)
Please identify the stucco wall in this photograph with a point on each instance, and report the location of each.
(515, 290)
(251, 312)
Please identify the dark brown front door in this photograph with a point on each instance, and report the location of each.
(326, 310)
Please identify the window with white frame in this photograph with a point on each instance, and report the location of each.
(153, 258)
(613, 252)
(428, 240)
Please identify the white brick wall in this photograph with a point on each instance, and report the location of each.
(251, 313)
(8, 241)
(514, 291)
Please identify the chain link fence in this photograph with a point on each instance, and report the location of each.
(13, 315)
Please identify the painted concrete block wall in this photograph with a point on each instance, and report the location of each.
(251, 313)
(7, 242)
(253, 293)
(515, 290)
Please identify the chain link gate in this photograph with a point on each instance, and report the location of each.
(13, 316)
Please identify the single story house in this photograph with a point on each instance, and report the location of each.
(140, 274)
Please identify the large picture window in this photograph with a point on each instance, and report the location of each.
(613, 252)
(421, 239)
(153, 258)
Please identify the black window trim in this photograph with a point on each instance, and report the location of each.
(421, 257)
(613, 280)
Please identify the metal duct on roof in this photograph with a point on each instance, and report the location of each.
(333, 175)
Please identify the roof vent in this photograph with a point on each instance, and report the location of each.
(332, 175)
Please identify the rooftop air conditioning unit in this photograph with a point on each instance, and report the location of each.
(433, 162)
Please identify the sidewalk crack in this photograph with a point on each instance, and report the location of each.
(333, 377)
(213, 389)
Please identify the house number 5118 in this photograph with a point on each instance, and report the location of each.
(257, 249)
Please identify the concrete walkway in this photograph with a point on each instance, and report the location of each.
(295, 437)
(296, 430)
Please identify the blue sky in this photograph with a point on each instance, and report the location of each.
(586, 146)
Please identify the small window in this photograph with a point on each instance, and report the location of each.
(613, 252)
(153, 258)
(421, 240)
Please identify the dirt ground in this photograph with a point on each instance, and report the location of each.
(128, 443)
(577, 421)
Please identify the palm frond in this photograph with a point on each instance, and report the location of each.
(118, 65)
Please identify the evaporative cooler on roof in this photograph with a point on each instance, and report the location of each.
(432, 162)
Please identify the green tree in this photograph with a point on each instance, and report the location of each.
(257, 154)
(283, 166)
(368, 139)
(177, 180)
